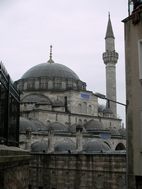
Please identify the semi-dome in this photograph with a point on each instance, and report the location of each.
(50, 70)
(36, 98)
(95, 146)
(57, 126)
(31, 125)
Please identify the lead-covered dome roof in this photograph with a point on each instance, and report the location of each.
(31, 125)
(50, 70)
(65, 146)
(50, 76)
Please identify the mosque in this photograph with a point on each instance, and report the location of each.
(58, 113)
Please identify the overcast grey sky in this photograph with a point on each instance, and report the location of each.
(75, 28)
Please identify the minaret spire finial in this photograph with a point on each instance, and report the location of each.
(50, 57)
(108, 15)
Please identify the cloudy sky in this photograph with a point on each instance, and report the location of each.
(75, 28)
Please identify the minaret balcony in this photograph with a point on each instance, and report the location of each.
(110, 57)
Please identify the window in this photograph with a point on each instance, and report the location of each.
(70, 85)
(30, 84)
(43, 84)
(79, 108)
(80, 122)
(84, 108)
(89, 109)
(57, 83)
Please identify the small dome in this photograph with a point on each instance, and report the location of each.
(65, 146)
(56, 126)
(40, 146)
(122, 132)
(93, 125)
(74, 127)
(31, 125)
(51, 71)
(105, 110)
(114, 132)
(95, 146)
(39, 125)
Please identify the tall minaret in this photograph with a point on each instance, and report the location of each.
(110, 58)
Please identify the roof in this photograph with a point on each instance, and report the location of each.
(53, 70)
(109, 32)
(56, 126)
(93, 125)
(65, 146)
(96, 146)
(31, 125)
(40, 146)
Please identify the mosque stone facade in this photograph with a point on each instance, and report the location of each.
(55, 100)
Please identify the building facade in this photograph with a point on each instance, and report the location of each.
(133, 51)
(14, 162)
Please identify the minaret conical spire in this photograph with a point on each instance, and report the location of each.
(50, 57)
(109, 32)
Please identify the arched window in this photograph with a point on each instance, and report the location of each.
(89, 109)
(84, 108)
(120, 146)
(80, 122)
(79, 108)
(85, 121)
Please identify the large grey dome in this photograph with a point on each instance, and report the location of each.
(50, 70)
(50, 76)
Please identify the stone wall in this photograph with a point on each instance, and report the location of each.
(78, 171)
(14, 168)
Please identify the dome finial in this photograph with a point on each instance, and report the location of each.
(50, 57)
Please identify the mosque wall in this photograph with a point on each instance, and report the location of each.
(47, 116)
(14, 168)
(78, 171)
(26, 141)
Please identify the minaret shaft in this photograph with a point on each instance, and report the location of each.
(110, 58)
(111, 85)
